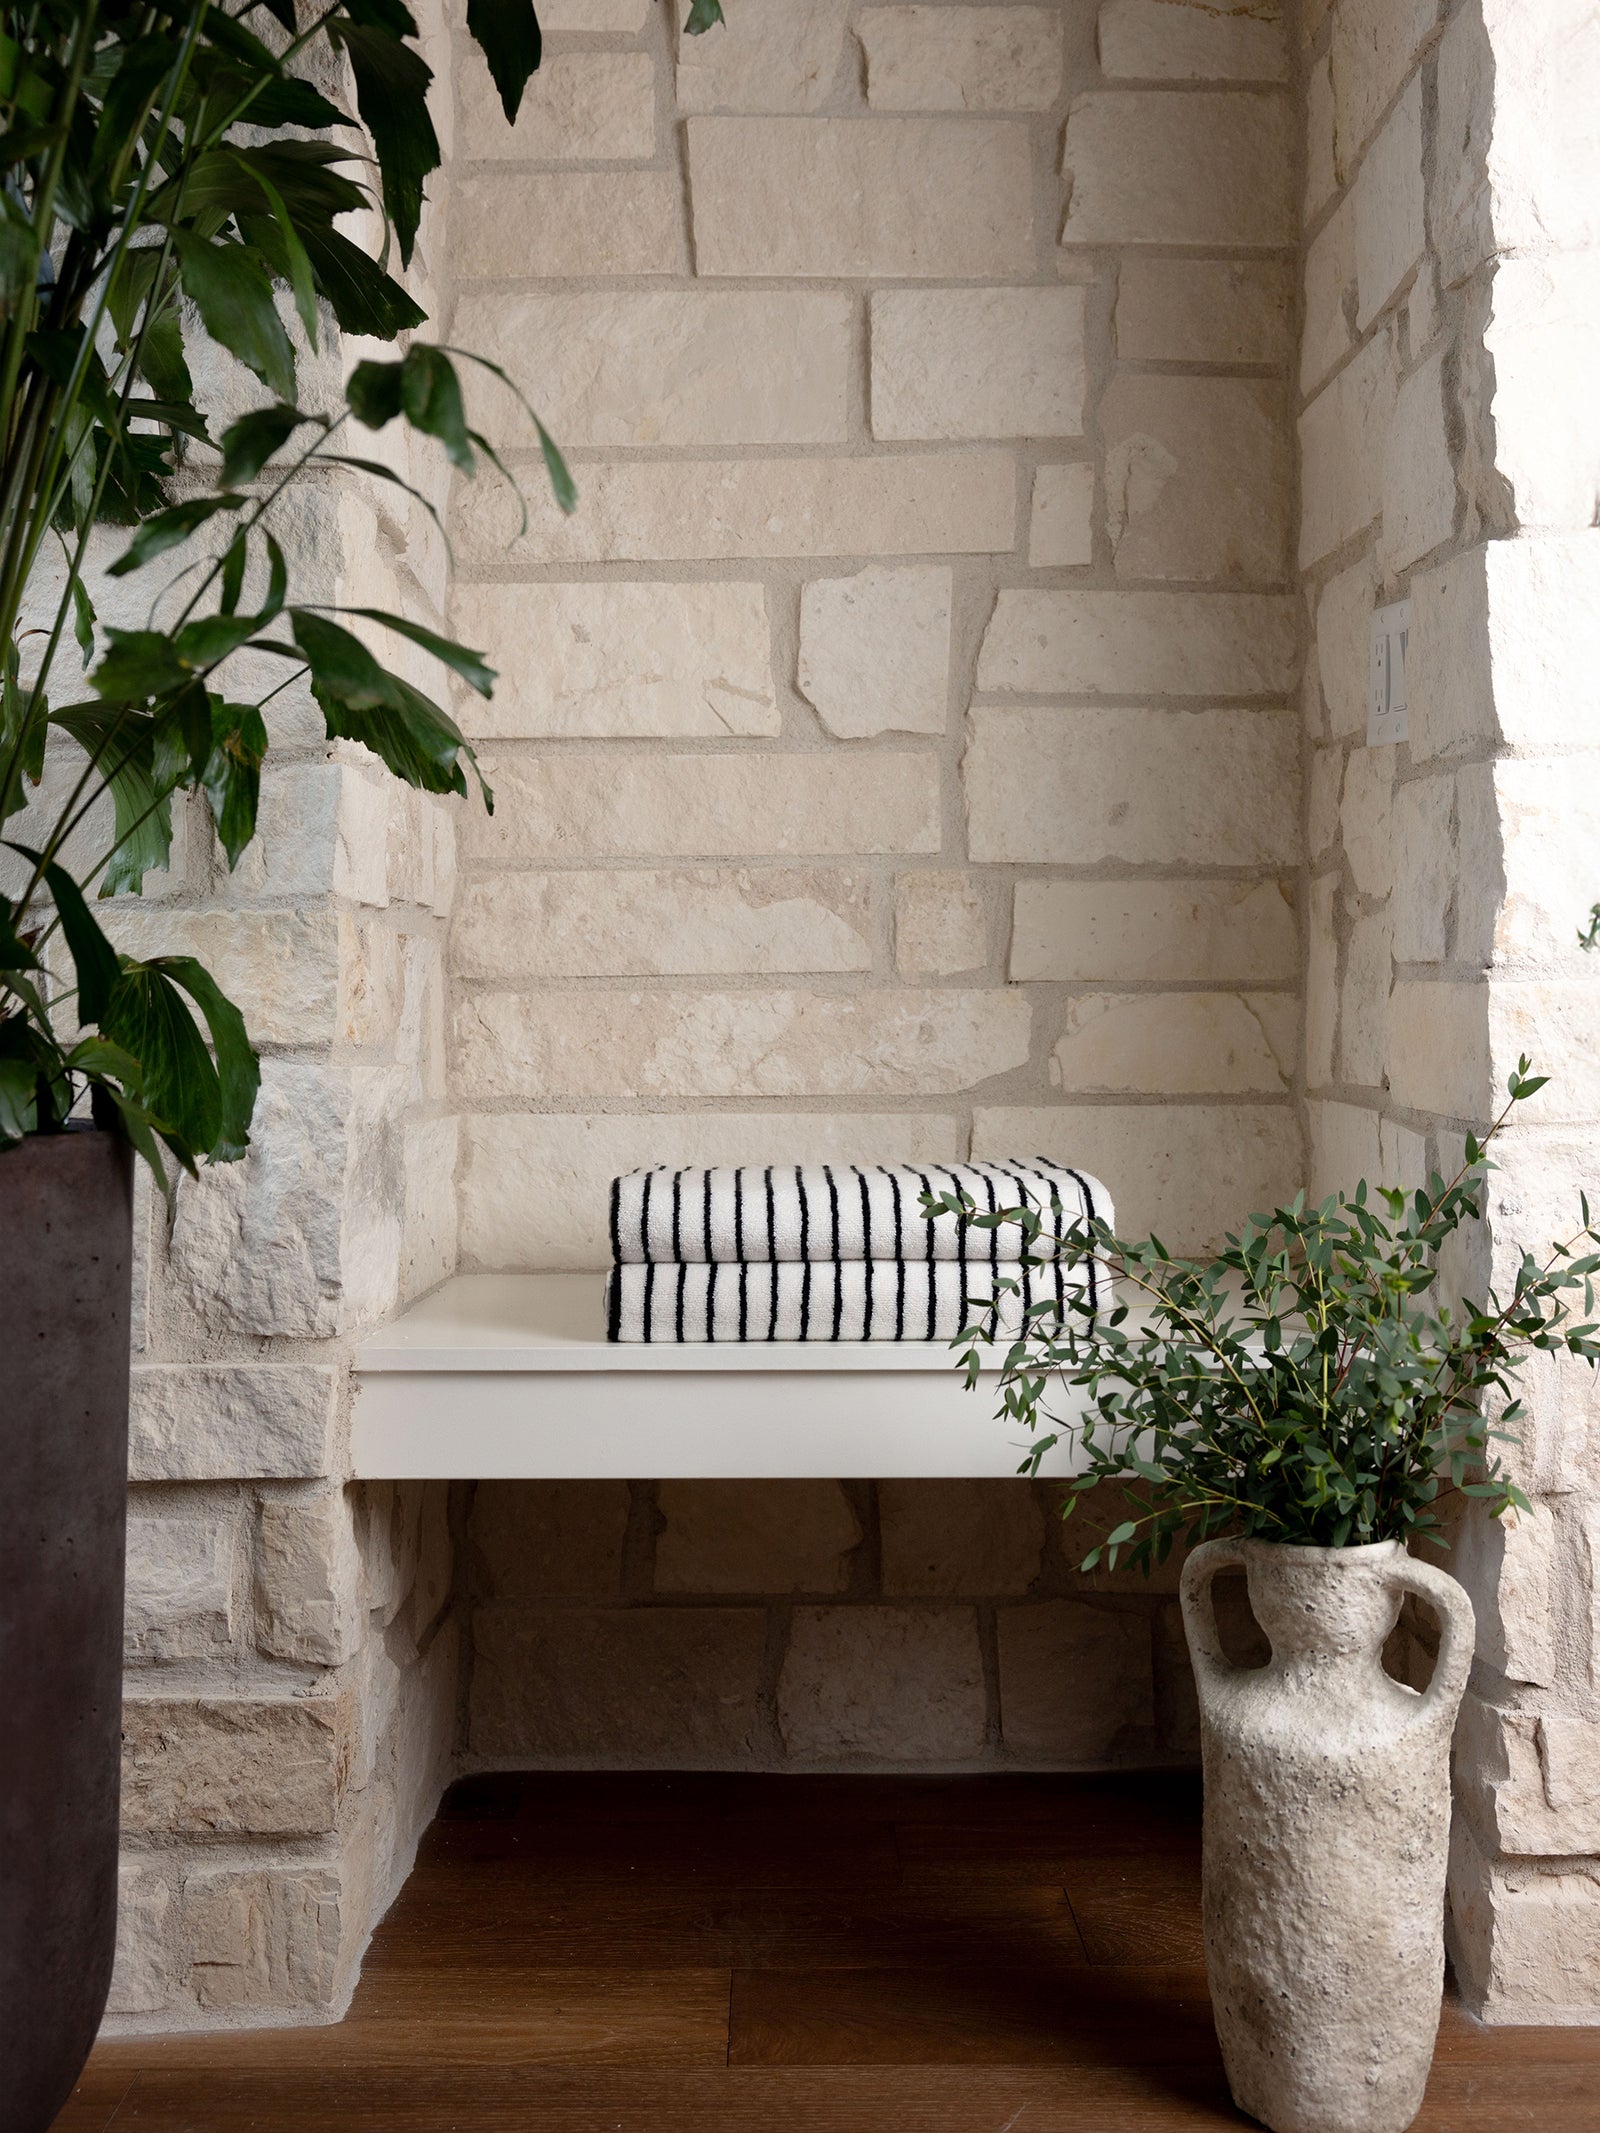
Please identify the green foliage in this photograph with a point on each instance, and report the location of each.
(1307, 1385)
(148, 155)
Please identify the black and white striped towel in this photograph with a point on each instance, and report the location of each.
(839, 1212)
(827, 1300)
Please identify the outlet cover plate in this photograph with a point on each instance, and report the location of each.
(1386, 699)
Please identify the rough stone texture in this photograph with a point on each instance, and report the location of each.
(1388, 207)
(588, 107)
(1192, 40)
(1419, 506)
(225, 1422)
(569, 223)
(968, 363)
(1061, 528)
(548, 1539)
(754, 1537)
(667, 1688)
(1203, 310)
(1189, 1044)
(534, 1186)
(1343, 435)
(646, 923)
(1070, 787)
(961, 58)
(1344, 657)
(1138, 643)
(1374, 44)
(780, 196)
(281, 967)
(764, 64)
(912, 504)
(1330, 297)
(680, 367)
(941, 924)
(233, 1767)
(308, 1580)
(959, 1539)
(1327, 1828)
(263, 1940)
(181, 1580)
(875, 651)
(882, 1685)
(1148, 167)
(1196, 477)
(1192, 930)
(708, 806)
(555, 1046)
(1075, 1682)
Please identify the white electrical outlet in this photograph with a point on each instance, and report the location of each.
(1386, 701)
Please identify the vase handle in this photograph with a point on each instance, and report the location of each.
(1194, 1596)
(1458, 1630)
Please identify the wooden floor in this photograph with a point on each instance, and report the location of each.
(694, 1954)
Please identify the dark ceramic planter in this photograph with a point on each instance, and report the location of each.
(66, 1247)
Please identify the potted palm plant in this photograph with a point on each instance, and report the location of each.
(1300, 1405)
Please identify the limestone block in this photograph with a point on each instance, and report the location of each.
(1344, 646)
(1505, 645)
(1075, 1682)
(764, 61)
(1546, 427)
(1061, 527)
(232, 1766)
(1325, 786)
(732, 509)
(1460, 197)
(616, 659)
(1322, 177)
(961, 58)
(371, 981)
(652, 1688)
(1331, 295)
(229, 1421)
(1438, 1054)
(1525, 87)
(580, 107)
(1192, 930)
(280, 968)
(875, 651)
(1147, 166)
(537, 1539)
(1546, 820)
(265, 1939)
(1182, 1044)
(1364, 997)
(952, 1539)
(679, 367)
(1375, 45)
(941, 924)
(949, 199)
(308, 1579)
(708, 920)
(535, 1188)
(1058, 786)
(598, 1045)
(1196, 40)
(1138, 644)
(754, 1537)
(1366, 819)
(970, 363)
(146, 1977)
(1189, 1171)
(578, 224)
(1203, 310)
(1537, 1777)
(1322, 981)
(292, 853)
(898, 1685)
(1196, 476)
(1343, 435)
(364, 831)
(709, 806)
(623, 18)
(1419, 491)
(1350, 1143)
(1388, 206)
(1506, 1565)
(180, 1585)
(1426, 866)
(429, 1218)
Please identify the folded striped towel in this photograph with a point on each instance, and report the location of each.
(840, 1212)
(826, 1300)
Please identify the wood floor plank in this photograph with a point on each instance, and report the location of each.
(1143, 1912)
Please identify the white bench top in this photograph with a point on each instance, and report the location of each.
(499, 1375)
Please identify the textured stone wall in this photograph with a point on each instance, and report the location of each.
(1450, 453)
(893, 760)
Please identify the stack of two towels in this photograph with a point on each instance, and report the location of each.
(834, 1253)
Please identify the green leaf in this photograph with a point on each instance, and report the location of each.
(293, 255)
(19, 1081)
(375, 393)
(169, 529)
(703, 15)
(561, 482)
(365, 299)
(392, 96)
(469, 665)
(93, 957)
(122, 744)
(232, 775)
(83, 618)
(233, 568)
(507, 34)
(430, 397)
(206, 1106)
(250, 442)
(138, 663)
(238, 1067)
(231, 290)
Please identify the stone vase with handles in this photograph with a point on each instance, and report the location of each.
(1327, 1824)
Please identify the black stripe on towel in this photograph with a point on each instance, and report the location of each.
(677, 1318)
(744, 1301)
(805, 1253)
(899, 1262)
(677, 1209)
(1082, 1184)
(644, 1218)
(709, 1254)
(616, 1220)
(738, 1226)
(866, 1253)
(838, 1276)
(614, 1305)
(711, 1301)
(772, 1253)
(649, 1289)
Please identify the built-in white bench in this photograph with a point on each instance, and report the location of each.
(503, 1375)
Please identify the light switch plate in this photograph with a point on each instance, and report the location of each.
(1386, 699)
